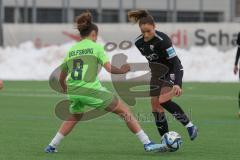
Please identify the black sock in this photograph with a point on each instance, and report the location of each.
(161, 122)
(176, 111)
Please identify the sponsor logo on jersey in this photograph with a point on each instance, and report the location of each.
(81, 52)
(152, 47)
(152, 57)
(172, 77)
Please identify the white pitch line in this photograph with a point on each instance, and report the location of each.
(32, 95)
(58, 95)
(211, 97)
(29, 90)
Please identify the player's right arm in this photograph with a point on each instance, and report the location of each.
(114, 70)
(104, 61)
(235, 70)
(63, 76)
(62, 81)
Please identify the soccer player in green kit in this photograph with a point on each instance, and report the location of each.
(79, 80)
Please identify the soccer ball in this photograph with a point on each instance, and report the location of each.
(173, 140)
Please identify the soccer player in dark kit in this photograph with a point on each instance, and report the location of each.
(236, 69)
(157, 48)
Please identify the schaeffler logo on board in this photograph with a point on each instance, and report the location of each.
(200, 37)
(180, 38)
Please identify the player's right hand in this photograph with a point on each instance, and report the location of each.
(125, 68)
(235, 70)
(177, 90)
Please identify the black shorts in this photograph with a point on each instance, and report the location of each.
(162, 85)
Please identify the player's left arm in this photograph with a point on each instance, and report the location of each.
(115, 70)
(176, 66)
(177, 70)
(104, 61)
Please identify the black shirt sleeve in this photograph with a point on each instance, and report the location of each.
(166, 45)
(177, 70)
(238, 50)
(172, 58)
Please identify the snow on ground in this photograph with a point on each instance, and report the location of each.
(25, 62)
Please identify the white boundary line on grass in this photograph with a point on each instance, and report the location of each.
(35, 95)
(56, 95)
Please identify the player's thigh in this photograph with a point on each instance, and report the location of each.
(160, 86)
(120, 108)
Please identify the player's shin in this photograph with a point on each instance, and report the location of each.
(161, 122)
(176, 111)
(64, 130)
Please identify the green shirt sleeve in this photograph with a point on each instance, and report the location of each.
(102, 56)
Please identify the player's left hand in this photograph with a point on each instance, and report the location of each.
(177, 90)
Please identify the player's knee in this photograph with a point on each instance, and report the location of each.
(119, 108)
(164, 99)
(166, 102)
(114, 105)
(124, 110)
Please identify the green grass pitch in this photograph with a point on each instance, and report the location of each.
(27, 124)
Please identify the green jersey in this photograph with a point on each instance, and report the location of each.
(82, 64)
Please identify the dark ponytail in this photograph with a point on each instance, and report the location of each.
(85, 25)
(141, 17)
